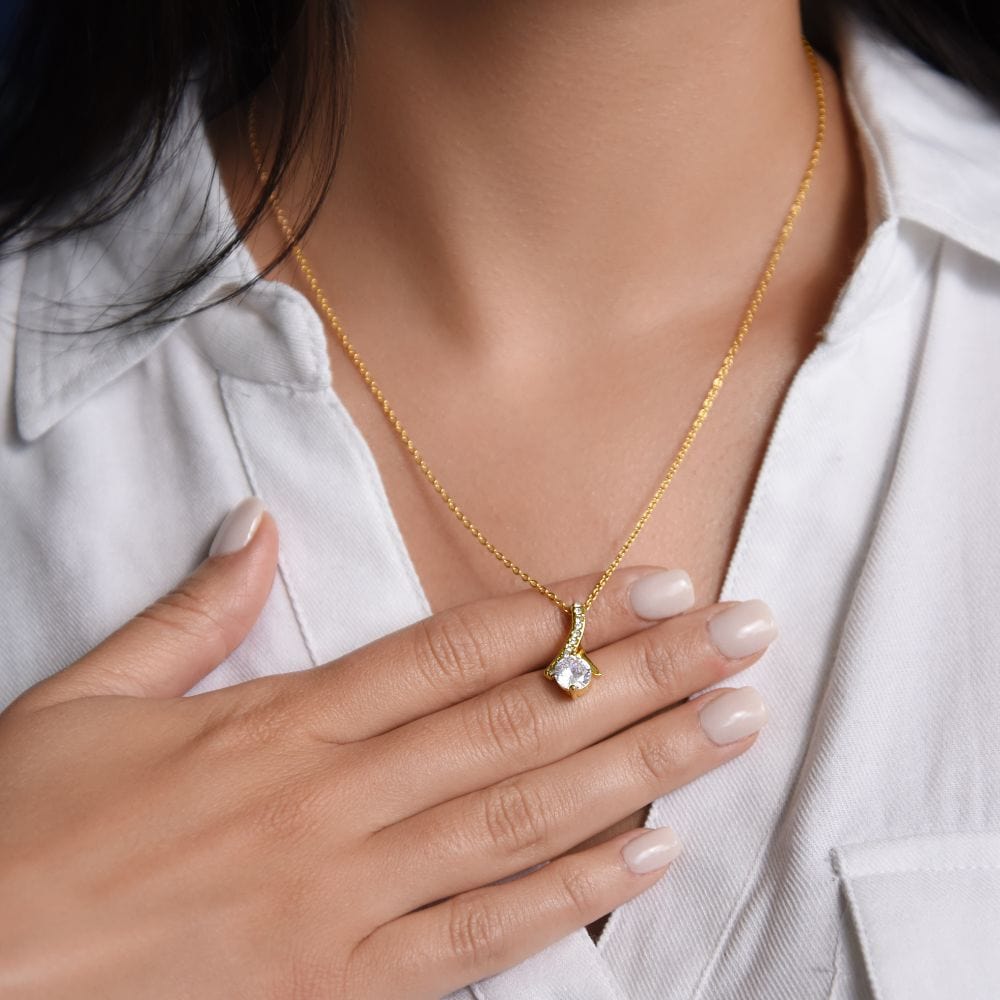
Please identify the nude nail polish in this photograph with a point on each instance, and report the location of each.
(661, 594)
(238, 527)
(733, 715)
(651, 851)
(743, 629)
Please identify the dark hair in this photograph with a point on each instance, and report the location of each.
(89, 93)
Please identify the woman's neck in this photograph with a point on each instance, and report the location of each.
(535, 172)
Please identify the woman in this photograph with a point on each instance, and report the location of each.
(334, 765)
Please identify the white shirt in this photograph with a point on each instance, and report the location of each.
(855, 850)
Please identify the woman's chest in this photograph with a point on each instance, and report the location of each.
(560, 486)
(868, 530)
(557, 477)
(805, 486)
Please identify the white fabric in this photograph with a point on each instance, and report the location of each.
(853, 851)
(922, 906)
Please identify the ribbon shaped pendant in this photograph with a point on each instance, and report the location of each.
(572, 669)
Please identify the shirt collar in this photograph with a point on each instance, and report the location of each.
(182, 216)
(73, 287)
(930, 145)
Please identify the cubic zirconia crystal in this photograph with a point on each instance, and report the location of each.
(572, 673)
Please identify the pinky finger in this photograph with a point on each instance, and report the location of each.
(438, 949)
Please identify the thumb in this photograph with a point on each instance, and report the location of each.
(174, 642)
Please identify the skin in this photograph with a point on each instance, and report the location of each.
(284, 837)
(548, 219)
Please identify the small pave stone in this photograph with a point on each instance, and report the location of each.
(572, 673)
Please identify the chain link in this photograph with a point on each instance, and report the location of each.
(717, 382)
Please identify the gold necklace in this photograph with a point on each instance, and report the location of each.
(571, 668)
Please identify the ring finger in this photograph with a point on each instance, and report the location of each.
(489, 834)
(526, 722)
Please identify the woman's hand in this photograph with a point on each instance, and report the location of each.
(334, 832)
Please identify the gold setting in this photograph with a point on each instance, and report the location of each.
(572, 650)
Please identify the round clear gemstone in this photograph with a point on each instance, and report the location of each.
(572, 673)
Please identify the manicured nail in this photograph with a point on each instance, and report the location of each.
(733, 715)
(744, 628)
(661, 594)
(238, 527)
(651, 851)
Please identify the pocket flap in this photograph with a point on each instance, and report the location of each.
(927, 914)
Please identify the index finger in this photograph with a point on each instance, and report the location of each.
(458, 653)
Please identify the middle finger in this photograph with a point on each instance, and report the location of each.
(527, 722)
(514, 825)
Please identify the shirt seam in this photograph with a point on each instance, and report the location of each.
(838, 948)
(863, 941)
(251, 476)
(916, 869)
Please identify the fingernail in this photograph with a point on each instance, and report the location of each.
(652, 850)
(661, 594)
(238, 527)
(733, 715)
(744, 628)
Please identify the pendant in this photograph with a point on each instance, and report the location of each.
(572, 669)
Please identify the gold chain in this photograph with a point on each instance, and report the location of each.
(706, 405)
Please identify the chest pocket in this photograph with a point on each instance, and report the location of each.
(926, 912)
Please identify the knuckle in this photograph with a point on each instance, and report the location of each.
(664, 665)
(581, 892)
(654, 760)
(450, 653)
(186, 614)
(507, 721)
(476, 930)
(514, 818)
